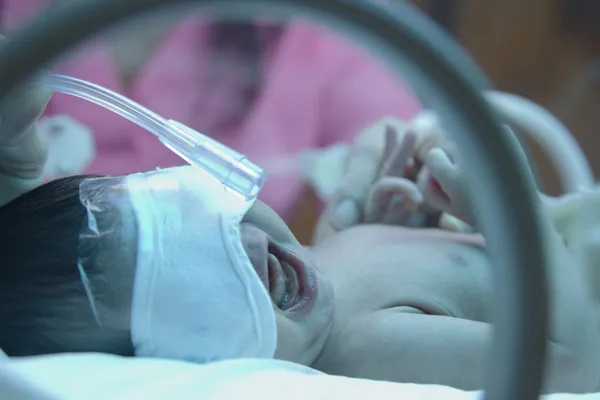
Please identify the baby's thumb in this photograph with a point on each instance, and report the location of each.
(443, 170)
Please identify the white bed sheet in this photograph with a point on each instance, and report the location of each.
(96, 376)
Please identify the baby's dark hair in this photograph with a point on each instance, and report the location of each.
(44, 307)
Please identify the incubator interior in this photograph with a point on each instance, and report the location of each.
(217, 201)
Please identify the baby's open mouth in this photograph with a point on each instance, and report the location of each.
(287, 273)
(284, 283)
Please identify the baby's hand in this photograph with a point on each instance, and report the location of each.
(394, 198)
(439, 178)
(373, 187)
(442, 183)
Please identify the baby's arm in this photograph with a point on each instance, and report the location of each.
(430, 349)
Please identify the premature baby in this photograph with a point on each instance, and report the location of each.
(397, 285)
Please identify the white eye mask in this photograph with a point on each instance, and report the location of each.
(196, 296)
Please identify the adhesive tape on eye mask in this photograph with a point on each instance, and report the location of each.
(196, 295)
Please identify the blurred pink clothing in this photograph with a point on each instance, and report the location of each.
(318, 89)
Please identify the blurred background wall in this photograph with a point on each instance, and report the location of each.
(545, 50)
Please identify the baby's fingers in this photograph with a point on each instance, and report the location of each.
(392, 201)
(444, 187)
(429, 134)
(451, 223)
(396, 162)
(361, 171)
(445, 174)
(441, 165)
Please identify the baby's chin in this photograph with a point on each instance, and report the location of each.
(302, 336)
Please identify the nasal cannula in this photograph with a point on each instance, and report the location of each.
(320, 167)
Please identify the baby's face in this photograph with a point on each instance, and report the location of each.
(302, 298)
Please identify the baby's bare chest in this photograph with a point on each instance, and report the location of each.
(436, 278)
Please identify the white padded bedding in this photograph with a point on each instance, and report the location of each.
(95, 377)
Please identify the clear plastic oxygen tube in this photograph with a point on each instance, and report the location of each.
(233, 169)
(319, 167)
